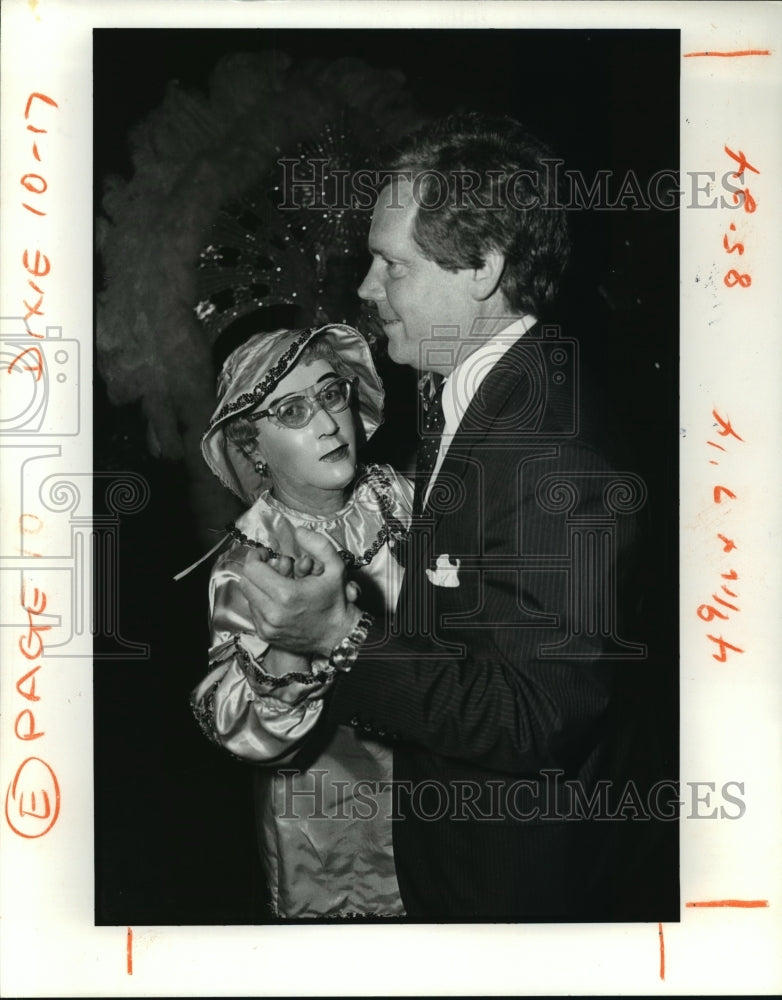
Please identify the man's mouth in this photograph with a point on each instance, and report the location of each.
(337, 454)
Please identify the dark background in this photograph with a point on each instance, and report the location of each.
(174, 832)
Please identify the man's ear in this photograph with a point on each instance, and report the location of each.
(486, 279)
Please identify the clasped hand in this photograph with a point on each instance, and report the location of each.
(303, 606)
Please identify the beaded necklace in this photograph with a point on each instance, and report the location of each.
(381, 488)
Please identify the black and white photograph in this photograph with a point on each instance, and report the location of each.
(455, 699)
(390, 437)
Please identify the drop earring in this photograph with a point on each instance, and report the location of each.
(261, 468)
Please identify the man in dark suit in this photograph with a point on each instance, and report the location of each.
(494, 683)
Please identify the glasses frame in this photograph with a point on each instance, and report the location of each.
(312, 395)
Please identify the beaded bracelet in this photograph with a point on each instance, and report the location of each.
(345, 653)
(253, 664)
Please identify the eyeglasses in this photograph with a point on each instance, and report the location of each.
(299, 408)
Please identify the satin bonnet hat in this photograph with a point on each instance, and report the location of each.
(253, 371)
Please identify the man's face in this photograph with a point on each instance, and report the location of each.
(413, 295)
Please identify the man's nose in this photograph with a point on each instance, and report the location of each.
(371, 289)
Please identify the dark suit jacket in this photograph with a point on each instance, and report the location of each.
(494, 682)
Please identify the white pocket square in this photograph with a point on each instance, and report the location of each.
(446, 574)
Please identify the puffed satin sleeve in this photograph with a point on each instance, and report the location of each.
(241, 704)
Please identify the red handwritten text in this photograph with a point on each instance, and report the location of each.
(741, 196)
(723, 603)
(36, 264)
(32, 801)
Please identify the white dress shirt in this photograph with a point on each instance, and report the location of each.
(464, 381)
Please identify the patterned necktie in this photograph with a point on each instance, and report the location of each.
(431, 432)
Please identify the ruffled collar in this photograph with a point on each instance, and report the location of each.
(304, 520)
(374, 513)
(379, 510)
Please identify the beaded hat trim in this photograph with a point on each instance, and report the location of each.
(267, 383)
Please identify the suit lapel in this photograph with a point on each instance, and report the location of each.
(516, 384)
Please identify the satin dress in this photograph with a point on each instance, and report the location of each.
(323, 800)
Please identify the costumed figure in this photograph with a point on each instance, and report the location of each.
(293, 408)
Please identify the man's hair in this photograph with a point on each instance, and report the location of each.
(244, 433)
(482, 183)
